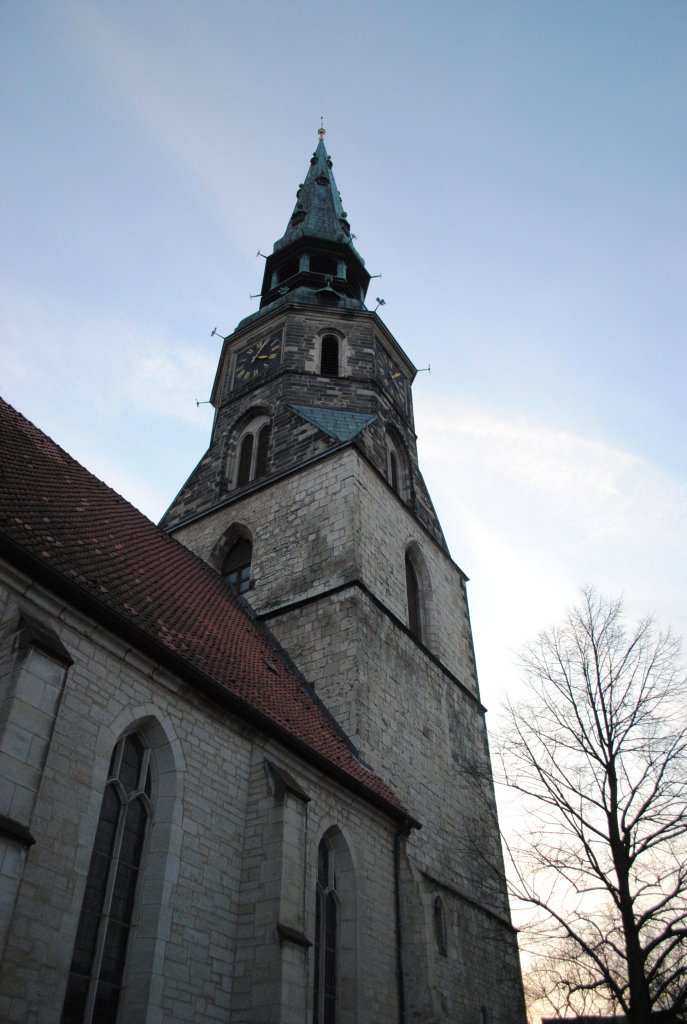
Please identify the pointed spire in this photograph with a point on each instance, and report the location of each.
(318, 212)
(315, 260)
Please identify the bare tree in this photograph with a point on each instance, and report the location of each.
(598, 750)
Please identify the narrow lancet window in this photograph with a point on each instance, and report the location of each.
(413, 598)
(329, 360)
(97, 969)
(326, 937)
(245, 460)
(263, 446)
(393, 470)
(439, 918)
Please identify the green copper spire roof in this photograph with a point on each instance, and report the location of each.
(314, 262)
(341, 424)
(318, 212)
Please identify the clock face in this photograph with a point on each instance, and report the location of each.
(392, 379)
(257, 358)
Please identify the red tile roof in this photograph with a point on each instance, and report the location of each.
(79, 536)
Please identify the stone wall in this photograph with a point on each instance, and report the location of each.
(329, 580)
(295, 380)
(225, 906)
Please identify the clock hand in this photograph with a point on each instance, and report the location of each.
(259, 351)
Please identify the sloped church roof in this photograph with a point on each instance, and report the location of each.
(87, 543)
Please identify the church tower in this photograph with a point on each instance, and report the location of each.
(311, 502)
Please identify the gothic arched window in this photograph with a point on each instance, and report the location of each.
(439, 922)
(245, 460)
(253, 449)
(393, 470)
(326, 937)
(329, 356)
(236, 564)
(396, 465)
(413, 598)
(99, 957)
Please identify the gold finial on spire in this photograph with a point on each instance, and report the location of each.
(320, 131)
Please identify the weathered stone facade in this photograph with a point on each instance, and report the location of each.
(296, 382)
(284, 878)
(224, 921)
(332, 528)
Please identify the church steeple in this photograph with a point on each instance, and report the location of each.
(315, 259)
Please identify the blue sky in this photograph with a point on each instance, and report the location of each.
(514, 170)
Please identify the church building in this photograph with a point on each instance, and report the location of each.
(244, 770)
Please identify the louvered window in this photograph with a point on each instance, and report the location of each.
(329, 357)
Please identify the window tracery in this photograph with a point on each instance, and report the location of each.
(236, 565)
(99, 957)
(326, 937)
(253, 451)
(395, 465)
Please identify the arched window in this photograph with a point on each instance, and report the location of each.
(326, 937)
(393, 470)
(439, 922)
(413, 598)
(329, 356)
(236, 564)
(98, 961)
(395, 465)
(253, 450)
(262, 449)
(245, 460)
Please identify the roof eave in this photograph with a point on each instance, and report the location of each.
(125, 628)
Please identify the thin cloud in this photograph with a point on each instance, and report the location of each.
(179, 111)
(161, 381)
(101, 362)
(532, 512)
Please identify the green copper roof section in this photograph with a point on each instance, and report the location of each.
(338, 423)
(318, 212)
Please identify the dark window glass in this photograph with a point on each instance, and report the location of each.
(330, 965)
(323, 865)
(99, 956)
(413, 597)
(439, 925)
(329, 362)
(132, 759)
(324, 265)
(326, 938)
(288, 270)
(236, 565)
(393, 470)
(245, 460)
(263, 445)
